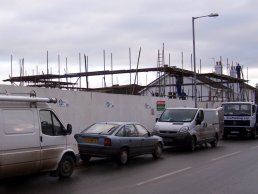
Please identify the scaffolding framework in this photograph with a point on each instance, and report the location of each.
(53, 81)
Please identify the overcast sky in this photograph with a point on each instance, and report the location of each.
(30, 28)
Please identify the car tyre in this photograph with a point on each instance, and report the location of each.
(192, 146)
(157, 151)
(65, 167)
(122, 158)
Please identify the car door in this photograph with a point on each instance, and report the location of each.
(132, 139)
(53, 139)
(147, 142)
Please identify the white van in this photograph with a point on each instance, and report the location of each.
(187, 127)
(32, 138)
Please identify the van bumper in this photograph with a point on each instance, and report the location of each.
(176, 139)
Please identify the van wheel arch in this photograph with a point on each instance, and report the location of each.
(65, 166)
(192, 143)
(214, 143)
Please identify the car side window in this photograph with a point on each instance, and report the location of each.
(130, 131)
(141, 130)
(50, 125)
(121, 132)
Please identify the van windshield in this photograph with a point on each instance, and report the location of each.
(178, 115)
(237, 109)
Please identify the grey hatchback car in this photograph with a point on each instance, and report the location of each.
(119, 140)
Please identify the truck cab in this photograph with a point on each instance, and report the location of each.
(240, 118)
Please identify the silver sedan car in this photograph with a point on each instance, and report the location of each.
(119, 140)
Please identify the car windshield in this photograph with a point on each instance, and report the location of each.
(237, 109)
(101, 128)
(178, 115)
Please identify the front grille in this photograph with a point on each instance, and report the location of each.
(236, 122)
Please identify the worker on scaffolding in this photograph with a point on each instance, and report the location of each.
(238, 70)
(179, 82)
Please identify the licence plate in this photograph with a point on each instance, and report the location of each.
(91, 140)
(168, 139)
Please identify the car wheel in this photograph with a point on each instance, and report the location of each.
(254, 134)
(85, 158)
(192, 146)
(122, 158)
(214, 143)
(157, 151)
(65, 167)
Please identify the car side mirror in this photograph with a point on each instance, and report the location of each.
(68, 129)
(157, 119)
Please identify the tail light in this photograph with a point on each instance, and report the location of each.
(107, 142)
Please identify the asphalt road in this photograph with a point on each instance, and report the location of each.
(232, 167)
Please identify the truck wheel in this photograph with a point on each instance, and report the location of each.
(65, 167)
(254, 134)
(157, 151)
(122, 158)
(192, 146)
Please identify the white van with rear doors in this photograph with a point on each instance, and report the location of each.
(188, 127)
(32, 138)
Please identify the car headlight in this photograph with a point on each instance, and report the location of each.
(184, 129)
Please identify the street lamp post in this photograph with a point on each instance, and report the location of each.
(194, 58)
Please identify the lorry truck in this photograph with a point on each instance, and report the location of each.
(240, 118)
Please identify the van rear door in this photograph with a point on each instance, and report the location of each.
(20, 142)
(53, 140)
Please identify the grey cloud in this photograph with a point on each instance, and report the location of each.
(67, 27)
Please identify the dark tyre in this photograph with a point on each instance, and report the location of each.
(85, 158)
(192, 146)
(122, 158)
(157, 151)
(65, 167)
(214, 143)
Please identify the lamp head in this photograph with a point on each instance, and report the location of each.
(213, 15)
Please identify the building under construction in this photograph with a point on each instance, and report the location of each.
(171, 82)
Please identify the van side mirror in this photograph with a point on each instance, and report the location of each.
(68, 129)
